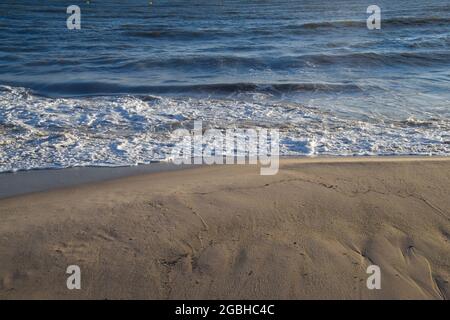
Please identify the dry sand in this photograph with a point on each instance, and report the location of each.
(225, 232)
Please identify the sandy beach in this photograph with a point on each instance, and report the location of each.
(226, 232)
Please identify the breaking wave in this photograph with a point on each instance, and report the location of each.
(40, 132)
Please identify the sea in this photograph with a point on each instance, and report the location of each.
(113, 92)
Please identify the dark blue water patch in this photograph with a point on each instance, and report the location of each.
(179, 34)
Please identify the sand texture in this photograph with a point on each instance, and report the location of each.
(226, 232)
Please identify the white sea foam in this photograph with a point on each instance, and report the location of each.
(39, 132)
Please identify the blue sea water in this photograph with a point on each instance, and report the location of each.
(113, 92)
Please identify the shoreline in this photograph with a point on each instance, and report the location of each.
(23, 182)
(226, 232)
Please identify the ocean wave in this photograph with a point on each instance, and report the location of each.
(191, 34)
(381, 59)
(214, 64)
(386, 22)
(40, 132)
(286, 62)
(220, 89)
